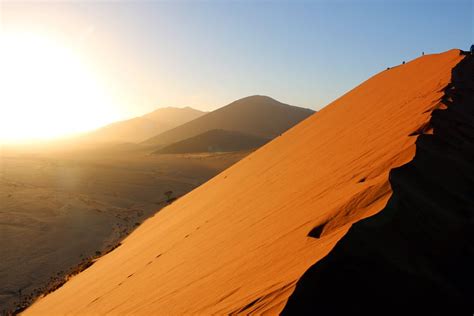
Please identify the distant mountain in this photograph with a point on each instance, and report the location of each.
(260, 116)
(141, 128)
(216, 140)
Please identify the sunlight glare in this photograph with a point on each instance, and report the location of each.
(46, 91)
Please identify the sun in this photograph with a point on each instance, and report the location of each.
(47, 91)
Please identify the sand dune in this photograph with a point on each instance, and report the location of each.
(256, 115)
(141, 128)
(417, 254)
(216, 140)
(239, 243)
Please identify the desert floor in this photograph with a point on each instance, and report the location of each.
(60, 209)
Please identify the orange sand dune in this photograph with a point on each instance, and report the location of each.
(239, 243)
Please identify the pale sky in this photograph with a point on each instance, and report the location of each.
(140, 55)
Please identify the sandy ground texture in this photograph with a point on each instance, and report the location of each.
(239, 243)
(58, 210)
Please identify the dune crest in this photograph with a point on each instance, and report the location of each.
(239, 243)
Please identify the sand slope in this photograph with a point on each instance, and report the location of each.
(239, 243)
(256, 115)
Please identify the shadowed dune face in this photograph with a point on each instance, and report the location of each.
(216, 140)
(417, 254)
(239, 243)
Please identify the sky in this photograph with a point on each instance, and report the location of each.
(132, 57)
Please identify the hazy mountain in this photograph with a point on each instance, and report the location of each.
(260, 116)
(141, 128)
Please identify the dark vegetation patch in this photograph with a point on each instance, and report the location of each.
(54, 283)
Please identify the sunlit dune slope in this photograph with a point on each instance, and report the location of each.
(239, 243)
(255, 115)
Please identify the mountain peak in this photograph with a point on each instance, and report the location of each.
(260, 116)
